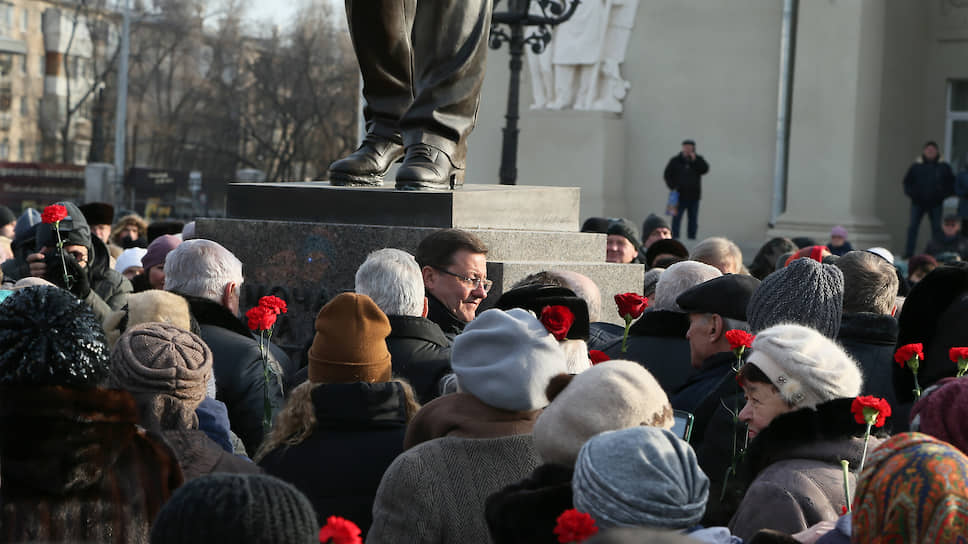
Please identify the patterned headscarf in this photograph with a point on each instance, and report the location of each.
(913, 490)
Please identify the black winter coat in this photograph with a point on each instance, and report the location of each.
(359, 432)
(237, 364)
(928, 183)
(685, 176)
(444, 318)
(870, 339)
(527, 511)
(419, 353)
(957, 244)
(658, 342)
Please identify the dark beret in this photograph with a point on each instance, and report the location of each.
(726, 295)
(536, 297)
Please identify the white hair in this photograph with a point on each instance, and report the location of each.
(201, 268)
(585, 289)
(676, 279)
(719, 252)
(392, 278)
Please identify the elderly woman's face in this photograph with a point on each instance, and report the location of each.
(763, 403)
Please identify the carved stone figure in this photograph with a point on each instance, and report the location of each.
(584, 59)
(422, 63)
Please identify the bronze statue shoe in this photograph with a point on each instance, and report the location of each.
(427, 167)
(366, 166)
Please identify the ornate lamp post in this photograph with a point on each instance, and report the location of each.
(516, 18)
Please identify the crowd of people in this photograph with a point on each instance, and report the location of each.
(812, 394)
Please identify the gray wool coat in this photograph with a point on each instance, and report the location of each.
(435, 492)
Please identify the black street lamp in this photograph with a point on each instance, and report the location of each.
(552, 13)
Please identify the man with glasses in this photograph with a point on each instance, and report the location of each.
(453, 263)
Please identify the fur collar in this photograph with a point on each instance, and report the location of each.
(207, 312)
(661, 323)
(869, 328)
(60, 440)
(826, 433)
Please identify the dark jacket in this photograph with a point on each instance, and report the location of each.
(956, 244)
(961, 189)
(794, 471)
(842, 250)
(213, 420)
(928, 183)
(658, 342)
(601, 334)
(237, 363)
(685, 176)
(870, 339)
(76, 467)
(359, 431)
(198, 455)
(419, 352)
(527, 511)
(449, 323)
(701, 396)
(705, 382)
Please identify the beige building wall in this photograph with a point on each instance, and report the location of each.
(21, 38)
(870, 87)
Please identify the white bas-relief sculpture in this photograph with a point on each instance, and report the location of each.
(582, 67)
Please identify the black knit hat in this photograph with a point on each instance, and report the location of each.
(595, 224)
(98, 213)
(624, 227)
(7, 216)
(224, 508)
(805, 293)
(666, 246)
(727, 295)
(536, 297)
(48, 338)
(651, 223)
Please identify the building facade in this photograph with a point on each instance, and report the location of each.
(868, 82)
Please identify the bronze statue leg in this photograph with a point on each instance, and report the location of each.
(380, 30)
(449, 52)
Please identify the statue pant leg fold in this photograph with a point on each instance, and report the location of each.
(449, 40)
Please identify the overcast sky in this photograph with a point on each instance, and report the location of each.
(279, 11)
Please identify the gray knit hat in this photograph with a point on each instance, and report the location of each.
(806, 368)
(506, 359)
(805, 292)
(641, 476)
(166, 369)
(229, 508)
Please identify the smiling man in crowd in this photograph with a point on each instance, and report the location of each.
(454, 267)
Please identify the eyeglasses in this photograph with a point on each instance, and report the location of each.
(473, 283)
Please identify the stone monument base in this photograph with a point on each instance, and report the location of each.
(308, 262)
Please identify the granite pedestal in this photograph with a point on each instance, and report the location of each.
(306, 255)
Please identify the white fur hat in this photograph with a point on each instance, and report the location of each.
(609, 396)
(805, 366)
(130, 257)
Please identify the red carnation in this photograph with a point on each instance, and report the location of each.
(868, 409)
(907, 353)
(598, 356)
(574, 526)
(631, 305)
(53, 213)
(558, 320)
(739, 338)
(340, 531)
(261, 318)
(960, 357)
(275, 304)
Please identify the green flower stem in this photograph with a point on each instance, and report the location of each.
(867, 438)
(845, 465)
(267, 405)
(625, 336)
(60, 249)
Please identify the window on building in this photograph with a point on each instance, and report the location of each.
(5, 149)
(956, 126)
(24, 20)
(24, 106)
(20, 151)
(23, 65)
(43, 65)
(6, 16)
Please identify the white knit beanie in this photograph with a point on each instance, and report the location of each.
(805, 366)
(130, 257)
(609, 396)
(506, 359)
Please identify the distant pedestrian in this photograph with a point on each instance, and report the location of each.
(684, 174)
(927, 183)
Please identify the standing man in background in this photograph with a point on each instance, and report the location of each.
(684, 174)
(927, 183)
